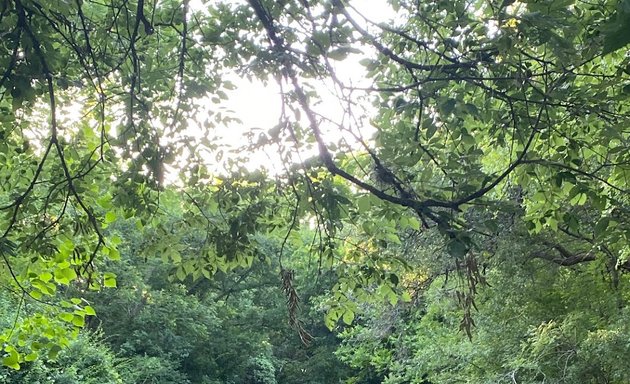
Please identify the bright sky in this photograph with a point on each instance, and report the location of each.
(258, 105)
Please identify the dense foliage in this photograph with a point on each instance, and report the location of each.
(459, 214)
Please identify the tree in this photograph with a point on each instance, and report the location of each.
(536, 322)
(481, 109)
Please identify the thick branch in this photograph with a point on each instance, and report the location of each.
(564, 257)
(565, 261)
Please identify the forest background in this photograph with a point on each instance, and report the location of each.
(455, 210)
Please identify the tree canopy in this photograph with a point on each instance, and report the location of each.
(484, 135)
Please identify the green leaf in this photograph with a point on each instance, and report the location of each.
(457, 248)
(110, 217)
(414, 223)
(54, 351)
(348, 317)
(431, 129)
(113, 254)
(392, 298)
(449, 106)
(65, 275)
(363, 203)
(180, 273)
(175, 255)
(115, 240)
(67, 317)
(78, 321)
(13, 360)
(601, 227)
(45, 276)
(31, 356)
(617, 32)
(392, 237)
(89, 310)
(331, 317)
(109, 280)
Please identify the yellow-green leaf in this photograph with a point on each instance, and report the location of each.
(89, 310)
(348, 317)
(13, 360)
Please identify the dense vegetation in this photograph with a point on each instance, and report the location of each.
(461, 213)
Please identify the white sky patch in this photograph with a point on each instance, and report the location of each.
(258, 105)
(378, 11)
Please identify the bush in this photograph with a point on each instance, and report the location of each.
(260, 370)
